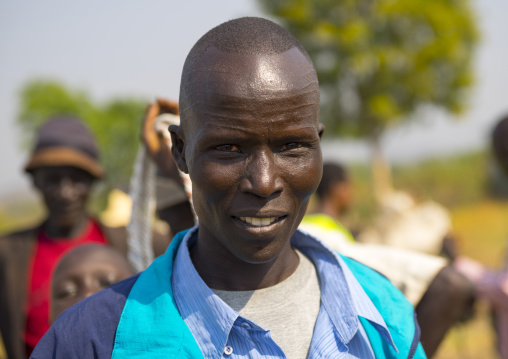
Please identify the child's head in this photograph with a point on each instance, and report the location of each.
(84, 271)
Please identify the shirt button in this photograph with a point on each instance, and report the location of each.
(246, 325)
(228, 350)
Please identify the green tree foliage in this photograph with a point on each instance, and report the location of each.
(115, 124)
(379, 62)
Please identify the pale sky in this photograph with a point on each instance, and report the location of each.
(137, 48)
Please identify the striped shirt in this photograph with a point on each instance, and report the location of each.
(220, 332)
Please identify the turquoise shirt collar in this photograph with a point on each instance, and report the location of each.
(150, 325)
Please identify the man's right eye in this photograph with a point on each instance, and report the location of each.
(228, 148)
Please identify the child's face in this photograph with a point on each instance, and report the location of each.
(82, 275)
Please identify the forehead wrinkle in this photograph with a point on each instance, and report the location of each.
(208, 73)
(226, 118)
(214, 87)
(235, 126)
(208, 108)
(231, 102)
(293, 93)
(212, 115)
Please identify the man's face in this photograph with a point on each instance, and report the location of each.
(65, 191)
(252, 149)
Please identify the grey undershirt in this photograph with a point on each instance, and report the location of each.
(288, 309)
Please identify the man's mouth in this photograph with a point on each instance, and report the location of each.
(261, 221)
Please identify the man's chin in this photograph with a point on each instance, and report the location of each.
(67, 220)
(264, 252)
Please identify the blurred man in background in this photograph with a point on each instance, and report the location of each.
(64, 166)
(173, 203)
(335, 196)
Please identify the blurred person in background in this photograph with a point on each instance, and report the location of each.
(439, 293)
(173, 205)
(64, 166)
(492, 285)
(335, 197)
(173, 210)
(84, 271)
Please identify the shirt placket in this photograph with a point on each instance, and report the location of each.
(245, 336)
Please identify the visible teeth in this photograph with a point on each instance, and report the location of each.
(259, 222)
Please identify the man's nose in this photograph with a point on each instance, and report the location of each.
(66, 188)
(262, 176)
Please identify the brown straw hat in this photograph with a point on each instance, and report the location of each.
(65, 141)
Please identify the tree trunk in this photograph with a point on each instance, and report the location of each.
(381, 171)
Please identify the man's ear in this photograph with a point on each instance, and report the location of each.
(178, 148)
(321, 129)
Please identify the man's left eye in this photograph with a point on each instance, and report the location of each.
(291, 146)
(228, 148)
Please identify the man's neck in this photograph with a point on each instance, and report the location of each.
(234, 274)
(54, 229)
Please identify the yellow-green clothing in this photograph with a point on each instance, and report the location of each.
(327, 223)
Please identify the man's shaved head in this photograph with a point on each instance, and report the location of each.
(247, 36)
